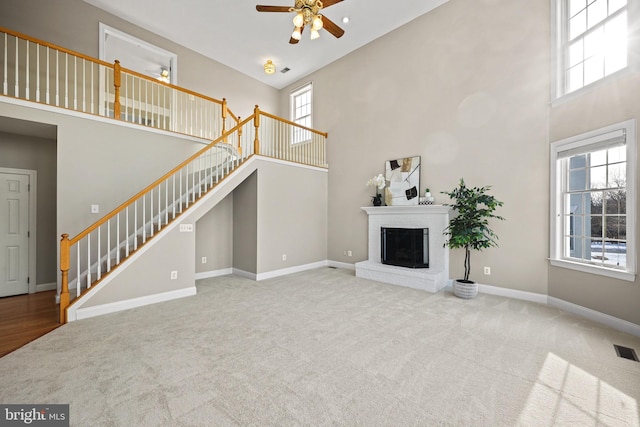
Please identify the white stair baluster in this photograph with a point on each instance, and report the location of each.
(37, 73)
(89, 261)
(99, 259)
(5, 81)
(17, 86)
(78, 283)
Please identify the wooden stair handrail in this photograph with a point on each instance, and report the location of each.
(289, 122)
(144, 191)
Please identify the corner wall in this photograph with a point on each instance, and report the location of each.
(466, 87)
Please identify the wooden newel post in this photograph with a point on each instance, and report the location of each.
(256, 124)
(239, 137)
(64, 268)
(225, 112)
(116, 85)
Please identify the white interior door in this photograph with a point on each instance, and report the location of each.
(14, 234)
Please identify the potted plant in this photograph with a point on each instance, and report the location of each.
(469, 229)
(379, 182)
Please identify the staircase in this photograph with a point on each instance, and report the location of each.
(43, 73)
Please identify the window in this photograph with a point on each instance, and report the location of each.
(593, 201)
(592, 41)
(301, 110)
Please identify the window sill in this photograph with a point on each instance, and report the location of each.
(592, 269)
(609, 79)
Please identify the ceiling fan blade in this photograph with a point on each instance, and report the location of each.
(330, 26)
(327, 3)
(261, 8)
(294, 41)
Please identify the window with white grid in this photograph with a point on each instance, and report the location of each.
(593, 208)
(301, 113)
(593, 41)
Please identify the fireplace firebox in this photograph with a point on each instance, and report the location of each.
(405, 247)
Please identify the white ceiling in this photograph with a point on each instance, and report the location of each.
(234, 33)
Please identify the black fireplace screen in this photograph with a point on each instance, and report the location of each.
(405, 247)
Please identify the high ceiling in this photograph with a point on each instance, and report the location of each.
(234, 33)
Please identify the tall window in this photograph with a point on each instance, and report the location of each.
(593, 208)
(592, 41)
(301, 113)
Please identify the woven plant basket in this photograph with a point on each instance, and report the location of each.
(465, 289)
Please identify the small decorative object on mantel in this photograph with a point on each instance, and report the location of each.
(469, 229)
(427, 199)
(379, 182)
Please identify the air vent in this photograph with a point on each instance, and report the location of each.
(626, 352)
(285, 69)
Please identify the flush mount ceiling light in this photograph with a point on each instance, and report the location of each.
(307, 14)
(269, 67)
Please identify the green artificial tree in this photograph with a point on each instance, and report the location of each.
(469, 229)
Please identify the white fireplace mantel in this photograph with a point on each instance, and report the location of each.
(433, 217)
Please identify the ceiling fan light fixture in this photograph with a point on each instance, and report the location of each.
(317, 22)
(298, 20)
(297, 34)
(314, 34)
(269, 67)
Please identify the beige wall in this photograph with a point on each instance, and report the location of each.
(245, 225)
(73, 24)
(466, 87)
(151, 273)
(292, 216)
(611, 102)
(214, 237)
(39, 154)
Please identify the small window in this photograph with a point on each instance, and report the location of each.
(593, 205)
(301, 113)
(592, 41)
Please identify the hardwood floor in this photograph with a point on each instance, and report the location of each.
(24, 318)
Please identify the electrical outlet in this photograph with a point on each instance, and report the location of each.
(174, 275)
(186, 228)
(284, 257)
(487, 271)
(349, 253)
(204, 259)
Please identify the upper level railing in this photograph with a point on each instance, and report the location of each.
(37, 71)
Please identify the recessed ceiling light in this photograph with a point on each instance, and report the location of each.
(345, 20)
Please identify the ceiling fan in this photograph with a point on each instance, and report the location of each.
(307, 13)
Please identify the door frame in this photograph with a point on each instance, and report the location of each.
(32, 221)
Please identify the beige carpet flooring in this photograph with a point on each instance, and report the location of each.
(324, 348)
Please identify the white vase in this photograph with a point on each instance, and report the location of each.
(465, 289)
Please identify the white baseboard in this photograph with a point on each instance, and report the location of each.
(214, 273)
(291, 270)
(40, 287)
(338, 264)
(85, 313)
(245, 274)
(596, 316)
(512, 293)
(578, 310)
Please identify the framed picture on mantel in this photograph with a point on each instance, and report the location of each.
(403, 177)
